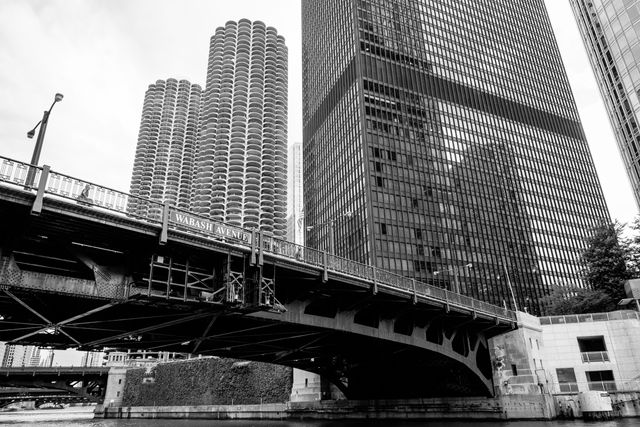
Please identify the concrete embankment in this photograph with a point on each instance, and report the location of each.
(510, 407)
(271, 411)
(48, 415)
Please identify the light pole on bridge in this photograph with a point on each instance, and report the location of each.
(331, 225)
(455, 271)
(35, 158)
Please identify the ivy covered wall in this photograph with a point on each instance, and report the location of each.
(207, 381)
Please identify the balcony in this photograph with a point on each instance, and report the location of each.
(602, 385)
(569, 387)
(594, 356)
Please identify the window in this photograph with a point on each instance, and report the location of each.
(514, 370)
(383, 228)
(379, 181)
(593, 349)
(418, 233)
(378, 167)
(567, 380)
(600, 380)
(414, 203)
(120, 381)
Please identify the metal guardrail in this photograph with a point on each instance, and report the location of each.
(590, 317)
(594, 356)
(602, 385)
(97, 196)
(609, 385)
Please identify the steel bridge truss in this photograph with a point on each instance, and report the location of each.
(231, 281)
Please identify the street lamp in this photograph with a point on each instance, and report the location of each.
(455, 271)
(330, 223)
(38, 148)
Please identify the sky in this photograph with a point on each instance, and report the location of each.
(102, 55)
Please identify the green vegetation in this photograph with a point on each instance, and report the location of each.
(607, 262)
(207, 381)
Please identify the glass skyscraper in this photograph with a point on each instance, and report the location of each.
(611, 33)
(442, 139)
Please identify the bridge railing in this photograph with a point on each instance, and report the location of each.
(85, 193)
(15, 172)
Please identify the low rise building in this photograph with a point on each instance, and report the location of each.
(599, 351)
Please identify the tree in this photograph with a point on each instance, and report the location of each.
(574, 300)
(605, 260)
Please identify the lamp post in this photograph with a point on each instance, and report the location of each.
(331, 224)
(35, 158)
(513, 296)
(455, 271)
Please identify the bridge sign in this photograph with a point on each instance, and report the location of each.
(208, 227)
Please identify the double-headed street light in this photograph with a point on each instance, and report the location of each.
(455, 271)
(35, 158)
(330, 223)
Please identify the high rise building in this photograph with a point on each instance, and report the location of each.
(241, 166)
(165, 154)
(611, 34)
(295, 214)
(448, 133)
(19, 355)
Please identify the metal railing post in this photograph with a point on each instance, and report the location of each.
(325, 270)
(261, 249)
(415, 295)
(164, 233)
(375, 280)
(37, 203)
(254, 238)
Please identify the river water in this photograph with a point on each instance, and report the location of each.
(628, 422)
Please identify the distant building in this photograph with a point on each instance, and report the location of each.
(92, 358)
(241, 176)
(19, 355)
(141, 358)
(610, 31)
(295, 213)
(165, 153)
(449, 133)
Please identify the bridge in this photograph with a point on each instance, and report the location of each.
(85, 266)
(38, 396)
(53, 384)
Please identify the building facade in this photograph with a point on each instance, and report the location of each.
(241, 166)
(15, 356)
(449, 134)
(165, 153)
(599, 351)
(295, 213)
(611, 34)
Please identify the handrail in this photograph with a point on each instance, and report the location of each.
(594, 356)
(89, 194)
(590, 317)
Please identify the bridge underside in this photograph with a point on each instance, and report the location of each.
(40, 396)
(90, 281)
